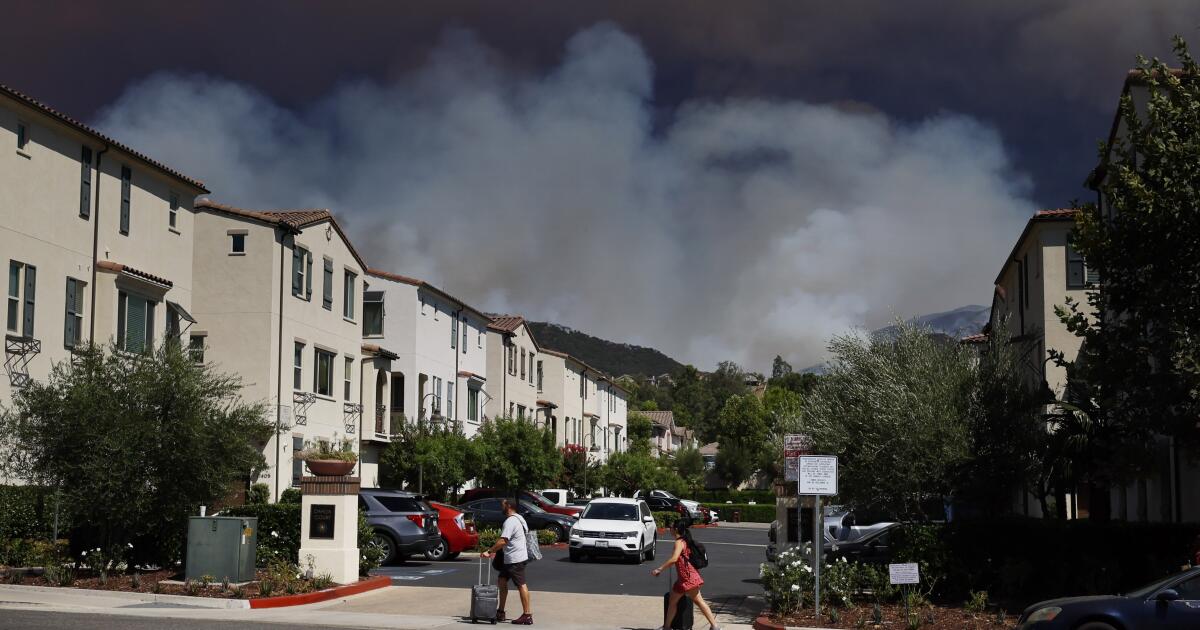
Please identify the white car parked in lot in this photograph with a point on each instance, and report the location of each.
(614, 527)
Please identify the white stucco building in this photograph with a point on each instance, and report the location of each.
(97, 242)
(432, 350)
(279, 300)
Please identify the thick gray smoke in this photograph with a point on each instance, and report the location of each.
(738, 230)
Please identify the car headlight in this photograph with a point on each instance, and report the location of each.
(1044, 614)
(631, 534)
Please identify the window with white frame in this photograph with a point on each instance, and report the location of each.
(454, 333)
(539, 376)
(348, 293)
(522, 364)
(464, 334)
(302, 262)
(196, 347)
(450, 399)
(237, 243)
(126, 195)
(347, 378)
(135, 322)
(372, 313)
(437, 395)
(323, 372)
(327, 284)
(473, 404)
(85, 183)
(298, 366)
(1078, 273)
(22, 289)
(73, 324)
(173, 210)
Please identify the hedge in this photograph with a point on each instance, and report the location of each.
(278, 530)
(737, 496)
(761, 513)
(1025, 560)
(27, 512)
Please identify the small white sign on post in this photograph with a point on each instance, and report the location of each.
(906, 573)
(818, 475)
(794, 445)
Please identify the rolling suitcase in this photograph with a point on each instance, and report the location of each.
(485, 597)
(683, 610)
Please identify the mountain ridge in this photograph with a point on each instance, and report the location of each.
(614, 358)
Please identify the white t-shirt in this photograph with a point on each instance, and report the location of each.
(514, 532)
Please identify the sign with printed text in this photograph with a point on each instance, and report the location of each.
(906, 573)
(818, 475)
(794, 446)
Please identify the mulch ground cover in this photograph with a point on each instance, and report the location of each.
(893, 617)
(146, 584)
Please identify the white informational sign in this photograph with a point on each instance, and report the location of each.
(794, 446)
(818, 475)
(904, 573)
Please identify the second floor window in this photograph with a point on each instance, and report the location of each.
(73, 326)
(454, 332)
(1078, 274)
(135, 323)
(539, 376)
(298, 366)
(22, 285)
(173, 210)
(464, 335)
(522, 364)
(348, 295)
(301, 273)
(450, 400)
(22, 135)
(346, 378)
(327, 286)
(372, 313)
(323, 373)
(196, 348)
(126, 193)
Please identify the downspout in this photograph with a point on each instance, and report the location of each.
(95, 245)
(458, 351)
(504, 379)
(279, 377)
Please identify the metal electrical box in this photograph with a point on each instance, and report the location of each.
(221, 547)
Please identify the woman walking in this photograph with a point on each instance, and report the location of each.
(689, 580)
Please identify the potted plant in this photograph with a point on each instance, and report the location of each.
(329, 459)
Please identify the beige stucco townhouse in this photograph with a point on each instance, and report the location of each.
(512, 354)
(279, 296)
(97, 242)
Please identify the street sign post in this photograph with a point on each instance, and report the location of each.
(905, 575)
(794, 445)
(817, 475)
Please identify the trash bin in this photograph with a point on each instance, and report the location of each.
(221, 547)
(737, 516)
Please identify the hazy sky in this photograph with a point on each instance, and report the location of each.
(717, 180)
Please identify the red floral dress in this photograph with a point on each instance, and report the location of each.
(689, 577)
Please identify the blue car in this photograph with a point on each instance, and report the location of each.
(1169, 604)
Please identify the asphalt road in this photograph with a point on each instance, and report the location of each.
(43, 620)
(734, 557)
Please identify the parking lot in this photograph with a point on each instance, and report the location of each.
(734, 558)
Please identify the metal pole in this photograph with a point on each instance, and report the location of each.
(56, 492)
(818, 544)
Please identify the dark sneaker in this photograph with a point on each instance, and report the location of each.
(523, 620)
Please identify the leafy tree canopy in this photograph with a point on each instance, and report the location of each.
(516, 454)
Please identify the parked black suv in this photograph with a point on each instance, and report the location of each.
(405, 525)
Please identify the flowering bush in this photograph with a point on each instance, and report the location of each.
(788, 583)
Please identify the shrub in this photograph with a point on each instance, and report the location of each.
(764, 513)
(28, 512)
(342, 451)
(370, 554)
(278, 530)
(291, 495)
(258, 494)
(546, 537)
(32, 552)
(487, 538)
(664, 520)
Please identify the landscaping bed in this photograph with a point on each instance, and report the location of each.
(892, 616)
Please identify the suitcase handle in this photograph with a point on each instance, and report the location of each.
(489, 572)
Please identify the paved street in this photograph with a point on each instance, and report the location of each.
(734, 558)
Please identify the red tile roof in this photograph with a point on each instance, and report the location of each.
(116, 267)
(1057, 213)
(370, 348)
(974, 339)
(506, 323)
(292, 220)
(29, 101)
(546, 403)
(466, 374)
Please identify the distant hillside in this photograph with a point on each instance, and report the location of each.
(614, 358)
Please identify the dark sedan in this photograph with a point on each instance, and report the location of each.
(1169, 604)
(404, 524)
(488, 514)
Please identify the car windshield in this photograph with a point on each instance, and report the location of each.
(611, 512)
(668, 495)
(1149, 589)
(532, 508)
(540, 498)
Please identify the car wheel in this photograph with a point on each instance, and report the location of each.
(1096, 625)
(559, 533)
(651, 551)
(641, 554)
(387, 545)
(439, 552)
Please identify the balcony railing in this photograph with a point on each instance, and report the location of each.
(380, 417)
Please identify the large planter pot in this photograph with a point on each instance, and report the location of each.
(329, 467)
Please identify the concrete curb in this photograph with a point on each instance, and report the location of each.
(362, 586)
(150, 598)
(763, 622)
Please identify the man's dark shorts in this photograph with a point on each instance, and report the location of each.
(515, 573)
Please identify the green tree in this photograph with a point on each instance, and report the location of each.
(579, 474)
(736, 463)
(692, 401)
(800, 383)
(780, 368)
(1138, 371)
(627, 472)
(641, 429)
(516, 454)
(688, 465)
(783, 408)
(135, 444)
(649, 405)
(894, 410)
(742, 433)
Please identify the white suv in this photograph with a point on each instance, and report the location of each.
(616, 527)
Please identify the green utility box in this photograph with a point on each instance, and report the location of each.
(221, 547)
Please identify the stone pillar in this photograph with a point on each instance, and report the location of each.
(329, 527)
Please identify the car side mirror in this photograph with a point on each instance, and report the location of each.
(1167, 595)
(647, 519)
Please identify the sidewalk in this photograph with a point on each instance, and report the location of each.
(396, 607)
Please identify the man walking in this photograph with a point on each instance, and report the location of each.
(511, 562)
